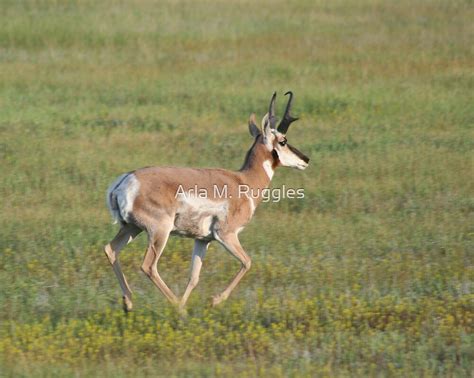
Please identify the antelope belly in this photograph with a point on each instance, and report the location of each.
(195, 216)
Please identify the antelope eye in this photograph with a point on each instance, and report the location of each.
(282, 143)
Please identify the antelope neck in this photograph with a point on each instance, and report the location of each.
(259, 166)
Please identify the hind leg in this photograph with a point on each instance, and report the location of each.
(157, 242)
(125, 235)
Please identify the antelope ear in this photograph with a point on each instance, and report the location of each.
(268, 132)
(253, 128)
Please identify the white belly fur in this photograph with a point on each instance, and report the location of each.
(196, 216)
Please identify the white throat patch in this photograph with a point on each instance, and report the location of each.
(267, 165)
(252, 204)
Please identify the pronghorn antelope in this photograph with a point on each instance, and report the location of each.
(158, 200)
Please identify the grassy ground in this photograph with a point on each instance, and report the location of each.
(370, 274)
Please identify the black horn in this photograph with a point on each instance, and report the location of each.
(271, 111)
(287, 118)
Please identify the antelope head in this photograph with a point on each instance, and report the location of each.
(274, 138)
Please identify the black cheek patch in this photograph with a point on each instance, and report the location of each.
(298, 153)
(275, 155)
(276, 159)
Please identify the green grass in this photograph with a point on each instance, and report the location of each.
(371, 274)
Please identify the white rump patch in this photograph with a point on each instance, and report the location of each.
(267, 165)
(121, 196)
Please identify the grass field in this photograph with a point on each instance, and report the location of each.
(371, 274)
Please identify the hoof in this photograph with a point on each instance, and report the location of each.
(127, 305)
(216, 299)
(182, 312)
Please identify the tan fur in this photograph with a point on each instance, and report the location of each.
(152, 205)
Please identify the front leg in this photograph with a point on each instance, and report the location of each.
(199, 251)
(231, 243)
